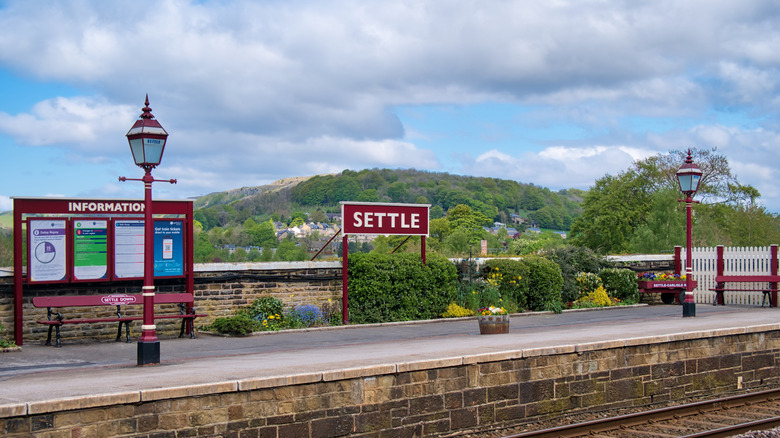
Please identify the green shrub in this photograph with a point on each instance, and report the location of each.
(595, 298)
(587, 282)
(398, 287)
(544, 282)
(621, 284)
(3, 342)
(238, 325)
(263, 307)
(511, 282)
(572, 260)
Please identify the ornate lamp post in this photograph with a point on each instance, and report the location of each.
(147, 143)
(688, 177)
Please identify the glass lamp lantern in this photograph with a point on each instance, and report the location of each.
(689, 176)
(147, 139)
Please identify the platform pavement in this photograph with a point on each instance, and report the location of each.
(41, 378)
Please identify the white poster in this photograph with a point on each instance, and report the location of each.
(47, 249)
(129, 248)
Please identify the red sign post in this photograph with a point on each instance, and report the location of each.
(375, 218)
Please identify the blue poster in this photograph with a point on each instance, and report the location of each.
(168, 248)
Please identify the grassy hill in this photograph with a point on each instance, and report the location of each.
(498, 199)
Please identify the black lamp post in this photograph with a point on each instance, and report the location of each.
(147, 143)
(688, 177)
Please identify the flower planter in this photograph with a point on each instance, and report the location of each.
(670, 290)
(493, 324)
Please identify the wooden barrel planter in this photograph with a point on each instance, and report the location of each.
(493, 324)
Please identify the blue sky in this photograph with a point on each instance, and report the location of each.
(556, 94)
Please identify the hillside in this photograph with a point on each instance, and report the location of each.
(498, 199)
(6, 220)
(223, 198)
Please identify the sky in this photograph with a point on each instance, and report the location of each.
(554, 93)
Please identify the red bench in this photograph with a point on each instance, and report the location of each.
(56, 320)
(769, 291)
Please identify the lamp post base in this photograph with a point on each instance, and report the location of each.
(689, 309)
(148, 353)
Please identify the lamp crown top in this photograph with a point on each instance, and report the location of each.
(147, 112)
(689, 165)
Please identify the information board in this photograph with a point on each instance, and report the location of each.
(168, 248)
(128, 248)
(90, 249)
(47, 255)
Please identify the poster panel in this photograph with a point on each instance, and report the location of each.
(128, 248)
(168, 248)
(47, 249)
(90, 249)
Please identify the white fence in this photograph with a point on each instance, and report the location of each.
(736, 261)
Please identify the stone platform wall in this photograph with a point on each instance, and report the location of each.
(431, 398)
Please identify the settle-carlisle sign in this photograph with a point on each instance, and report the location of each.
(382, 218)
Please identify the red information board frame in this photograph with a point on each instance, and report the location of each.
(68, 209)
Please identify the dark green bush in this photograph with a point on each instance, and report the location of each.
(512, 289)
(620, 283)
(3, 342)
(398, 287)
(238, 325)
(263, 307)
(544, 282)
(572, 260)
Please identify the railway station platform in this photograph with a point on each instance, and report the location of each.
(410, 369)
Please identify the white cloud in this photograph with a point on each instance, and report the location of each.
(254, 91)
(76, 121)
(557, 167)
(6, 203)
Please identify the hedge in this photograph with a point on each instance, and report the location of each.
(398, 287)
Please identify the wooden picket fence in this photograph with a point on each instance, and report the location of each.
(736, 261)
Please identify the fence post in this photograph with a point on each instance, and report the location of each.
(719, 272)
(773, 271)
(677, 260)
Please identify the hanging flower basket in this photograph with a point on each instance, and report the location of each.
(493, 324)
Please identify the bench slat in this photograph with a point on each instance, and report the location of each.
(122, 319)
(109, 300)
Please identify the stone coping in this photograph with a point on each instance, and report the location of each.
(249, 384)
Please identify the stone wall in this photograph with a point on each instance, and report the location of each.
(220, 288)
(438, 397)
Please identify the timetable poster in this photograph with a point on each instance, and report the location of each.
(47, 249)
(129, 248)
(90, 249)
(168, 248)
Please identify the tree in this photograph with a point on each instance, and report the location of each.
(664, 226)
(368, 195)
(203, 251)
(612, 210)
(289, 251)
(638, 209)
